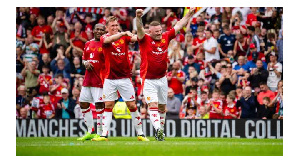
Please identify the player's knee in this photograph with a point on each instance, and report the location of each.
(109, 105)
(84, 105)
(161, 107)
(99, 105)
(131, 104)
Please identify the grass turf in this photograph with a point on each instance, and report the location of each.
(129, 146)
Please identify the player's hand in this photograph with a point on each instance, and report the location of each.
(139, 13)
(127, 33)
(88, 66)
(192, 10)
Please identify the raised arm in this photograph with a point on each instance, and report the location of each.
(116, 37)
(139, 24)
(179, 25)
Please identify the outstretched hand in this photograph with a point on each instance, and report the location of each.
(127, 33)
(139, 13)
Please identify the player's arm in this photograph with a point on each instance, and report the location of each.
(116, 37)
(86, 64)
(139, 24)
(179, 25)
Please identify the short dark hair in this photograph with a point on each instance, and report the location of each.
(193, 88)
(203, 92)
(154, 23)
(225, 27)
(59, 75)
(46, 66)
(262, 83)
(209, 30)
(88, 15)
(251, 28)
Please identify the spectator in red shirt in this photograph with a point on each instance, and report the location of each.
(37, 31)
(107, 13)
(45, 43)
(45, 80)
(230, 110)
(171, 16)
(198, 41)
(46, 110)
(175, 80)
(57, 87)
(190, 102)
(264, 92)
(252, 17)
(78, 37)
(121, 14)
(216, 106)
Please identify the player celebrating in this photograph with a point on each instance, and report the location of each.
(154, 58)
(93, 60)
(118, 74)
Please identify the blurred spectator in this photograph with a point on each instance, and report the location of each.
(31, 74)
(173, 105)
(258, 74)
(87, 23)
(244, 12)
(226, 42)
(38, 31)
(248, 104)
(267, 109)
(61, 30)
(198, 41)
(191, 62)
(188, 41)
(169, 18)
(253, 38)
(61, 65)
(45, 80)
(77, 69)
(121, 14)
(65, 106)
(264, 92)
(189, 103)
(19, 62)
(254, 56)
(23, 113)
(217, 15)
(202, 113)
(189, 52)
(46, 110)
(57, 87)
(30, 48)
(175, 53)
(76, 94)
(226, 15)
(228, 80)
(243, 81)
(270, 46)
(279, 46)
(230, 110)
(215, 106)
(45, 61)
(45, 43)
(200, 60)
(78, 37)
(175, 80)
(107, 13)
(252, 17)
(275, 70)
(20, 100)
(210, 46)
(155, 14)
(240, 46)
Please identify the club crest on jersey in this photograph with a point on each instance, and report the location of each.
(163, 40)
(91, 55)
(99, 49)
(118, 49)
(121, 41)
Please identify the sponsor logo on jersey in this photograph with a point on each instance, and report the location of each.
(91, 55)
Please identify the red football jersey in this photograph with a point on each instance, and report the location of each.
(117, 63)
(77, 42)
(197, 41)
(251, 18)
(174, 83)
(93, 53)
(46, 111)
(38, 31)
(45, 82)
(213, 114)
(230, 109)
(154, 55)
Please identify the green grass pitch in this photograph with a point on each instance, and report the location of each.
(129, 146)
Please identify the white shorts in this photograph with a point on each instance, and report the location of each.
(91, 94)
(124, 86)
(156, 90)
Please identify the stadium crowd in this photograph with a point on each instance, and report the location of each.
(226, 64)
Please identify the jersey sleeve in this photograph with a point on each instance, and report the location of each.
(85, 54)
(170, 34)
(102, 38)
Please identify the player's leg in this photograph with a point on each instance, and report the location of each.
(99, 104)
(126, 91)
(109, 97)
(85, 99)
(162, 101)
(150, 92)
